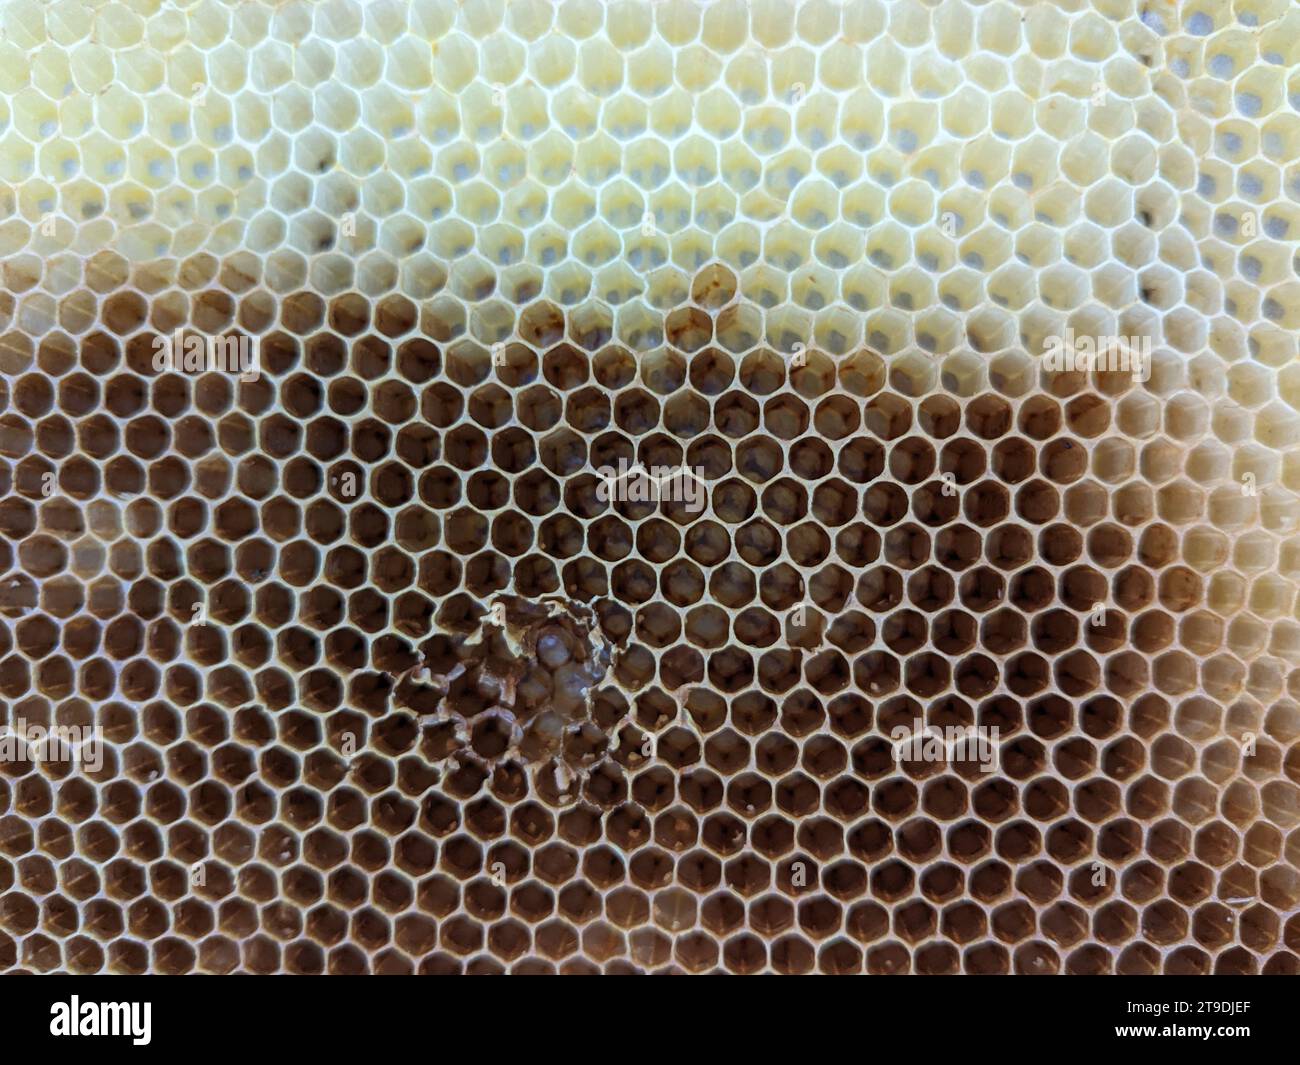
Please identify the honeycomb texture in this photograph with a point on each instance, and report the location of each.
(814, 252)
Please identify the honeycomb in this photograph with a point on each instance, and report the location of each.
(650, 486)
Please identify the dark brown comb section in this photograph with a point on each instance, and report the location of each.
(393, 655)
